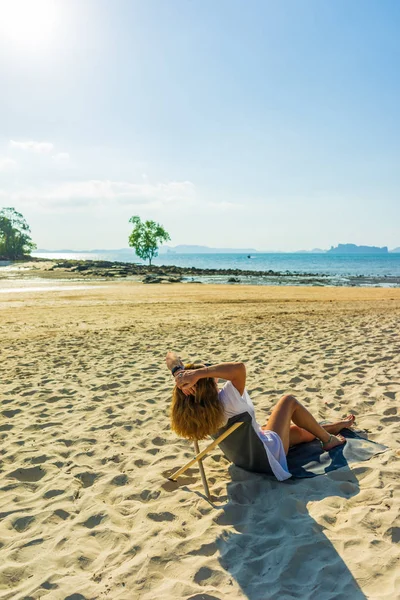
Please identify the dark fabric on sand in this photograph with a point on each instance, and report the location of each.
(245, 449)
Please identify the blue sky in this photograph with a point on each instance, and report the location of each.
(267, 124)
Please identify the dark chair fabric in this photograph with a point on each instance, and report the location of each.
(243, 447)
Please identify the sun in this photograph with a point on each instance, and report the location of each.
(28, 22)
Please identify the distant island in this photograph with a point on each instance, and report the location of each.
(313, 251)
(196, 249)
(354, 249)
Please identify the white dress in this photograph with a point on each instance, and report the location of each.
(234, 404)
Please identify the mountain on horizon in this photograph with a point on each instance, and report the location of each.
(313, 251)
(188, 249)
(196, 249)
(354, 249)
(95, 250)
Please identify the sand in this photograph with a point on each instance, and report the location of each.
(86, 509)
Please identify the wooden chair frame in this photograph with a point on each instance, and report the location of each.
(200, 455)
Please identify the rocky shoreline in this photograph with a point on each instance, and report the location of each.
(105, 268)
(84, 270)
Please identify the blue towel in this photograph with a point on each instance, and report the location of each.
(309, 460)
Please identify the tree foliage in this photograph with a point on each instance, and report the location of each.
(146, 237)
(15, 235)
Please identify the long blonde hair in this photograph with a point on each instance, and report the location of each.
(196, 416)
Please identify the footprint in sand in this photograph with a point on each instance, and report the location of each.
(107, 386)
(28, 475)
(62, 514)
(205, 550)
(157, 441)
(93, 521)
(53, 399)
(393, 419)
(6, 427)
(204, 574)
(153, 451)
(35, 542)
(161, 517)
(30, 393)
(53, 493)
(47, 585)
(23, 523)
(37, 460)
(87, 478)
(120, 480)
(10, 413)
(68, 443)
(145, 496)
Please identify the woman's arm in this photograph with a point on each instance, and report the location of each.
(234, 372)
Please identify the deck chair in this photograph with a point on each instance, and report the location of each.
(239, 443)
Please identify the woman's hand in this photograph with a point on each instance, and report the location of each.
(186, 381)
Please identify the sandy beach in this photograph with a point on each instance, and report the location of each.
(86, 509)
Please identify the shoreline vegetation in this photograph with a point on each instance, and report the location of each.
(99, 270)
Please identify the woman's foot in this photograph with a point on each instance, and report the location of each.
(339, 425)
(334, 440)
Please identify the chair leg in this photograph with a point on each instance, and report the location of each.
(215, 443)
(202, 471)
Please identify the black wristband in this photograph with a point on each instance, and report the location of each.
(177, 368)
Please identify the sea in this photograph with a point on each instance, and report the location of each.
(336, 265)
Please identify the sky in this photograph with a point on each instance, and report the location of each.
(266, 124)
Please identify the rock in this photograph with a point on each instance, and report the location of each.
(151, 279)
(233, 280)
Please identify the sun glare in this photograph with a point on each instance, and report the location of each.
(28, 22)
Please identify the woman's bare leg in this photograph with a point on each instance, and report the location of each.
(298, 435)
(289, 409)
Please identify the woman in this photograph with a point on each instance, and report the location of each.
(199, 409)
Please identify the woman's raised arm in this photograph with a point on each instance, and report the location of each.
(234, 372)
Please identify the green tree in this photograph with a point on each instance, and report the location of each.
(146, 237)
(15, 234)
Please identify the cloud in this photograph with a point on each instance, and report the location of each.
(61, 158)
(97, 193)
(31, 146)
(7, 164)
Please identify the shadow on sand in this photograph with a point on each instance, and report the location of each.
(277, 549)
